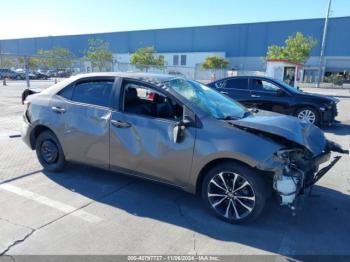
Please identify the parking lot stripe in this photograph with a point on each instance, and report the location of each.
(51, 203)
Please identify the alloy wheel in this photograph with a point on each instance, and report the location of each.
(231, 195)
(307, 115)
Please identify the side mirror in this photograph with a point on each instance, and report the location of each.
(179, 128)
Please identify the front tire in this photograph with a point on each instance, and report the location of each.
(309, 115)
(49, 152)
(234, 192)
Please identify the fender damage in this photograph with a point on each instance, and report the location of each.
(296, 166)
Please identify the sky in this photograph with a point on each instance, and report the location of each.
(24, 18)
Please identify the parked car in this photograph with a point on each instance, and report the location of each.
(31, 75)
(40, 76)
(63, 73)
(51, 73)
(274, 95)
(23, 76)
(10, 74)
(178, 132)
(176, 73)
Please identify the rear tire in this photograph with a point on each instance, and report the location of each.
(234, 192)
(49, 152)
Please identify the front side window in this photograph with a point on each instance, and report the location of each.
(143, 100)
(208, 100)
(262, 85)
(93, 92)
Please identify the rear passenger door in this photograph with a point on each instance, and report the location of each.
(236, 88)
(87, 119)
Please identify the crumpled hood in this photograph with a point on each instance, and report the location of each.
(288, 127)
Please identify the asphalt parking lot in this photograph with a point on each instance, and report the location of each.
(89, 211)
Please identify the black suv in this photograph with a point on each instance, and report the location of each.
(274, 95)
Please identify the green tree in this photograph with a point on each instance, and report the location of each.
(145, 56)
(56, 58)
(215, 62)
(297, 48)
(275, 52)
(33, 62)
(99, 54)
(6, 62)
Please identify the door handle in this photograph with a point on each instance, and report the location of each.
(223, 92)
(58, 109)
(120, 124)
(256, 96)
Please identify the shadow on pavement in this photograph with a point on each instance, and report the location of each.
(340, 129)
(321, 227)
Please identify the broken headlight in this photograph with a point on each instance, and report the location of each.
(288, 156)
(289, 180)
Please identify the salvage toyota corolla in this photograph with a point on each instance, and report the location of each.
(179, 132)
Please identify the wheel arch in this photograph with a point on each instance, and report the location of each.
(211, 164)
(300, 106)
(36, 132)
(319, 114)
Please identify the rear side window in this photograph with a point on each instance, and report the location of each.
(67, 92)
(93, 92)
(237, 84)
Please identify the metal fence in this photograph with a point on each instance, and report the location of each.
(36, 68)
(193, 73)
(22, 67)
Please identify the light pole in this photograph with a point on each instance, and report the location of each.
(26, 68)
(324, 39)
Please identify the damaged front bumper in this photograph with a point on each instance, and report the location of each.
(323, 171)
(294, 177)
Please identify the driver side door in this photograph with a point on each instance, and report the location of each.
(269, 96)
(141, 135)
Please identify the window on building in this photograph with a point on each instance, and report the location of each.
(183, 60)
(176, 60)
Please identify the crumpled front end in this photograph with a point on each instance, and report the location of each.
(298, 169)
(305, 147)
(297, 165)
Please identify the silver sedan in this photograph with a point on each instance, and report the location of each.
(178, 132)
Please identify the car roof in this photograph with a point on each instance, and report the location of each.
(147, 77)
(157, 79)
(247, 76)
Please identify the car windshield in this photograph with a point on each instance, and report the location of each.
(207, 99)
